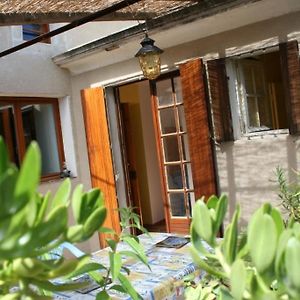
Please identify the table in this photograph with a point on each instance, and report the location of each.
(168, 265)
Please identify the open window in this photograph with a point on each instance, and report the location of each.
(31, 31)
(23, 120)
(255, 93)
(260, 93)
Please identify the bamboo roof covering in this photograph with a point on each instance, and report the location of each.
(14, 12)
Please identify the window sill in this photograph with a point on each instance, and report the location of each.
(52, 177)
(261, 134)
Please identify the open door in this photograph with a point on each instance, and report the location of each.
(99, 152)
(180, 111)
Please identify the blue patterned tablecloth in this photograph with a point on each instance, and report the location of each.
(163, 282)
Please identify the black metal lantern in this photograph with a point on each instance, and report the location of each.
(149, 57)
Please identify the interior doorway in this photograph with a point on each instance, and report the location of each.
(139, 153)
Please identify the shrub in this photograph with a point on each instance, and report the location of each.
(32, 225)
(262, 264)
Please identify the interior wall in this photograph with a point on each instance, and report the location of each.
(129, 95)
(138, 95)
(153, 171)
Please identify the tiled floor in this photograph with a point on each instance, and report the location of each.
(157, 227)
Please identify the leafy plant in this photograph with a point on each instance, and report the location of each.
(262, 264)
(33, 225)
(116, 272)
(289, 194)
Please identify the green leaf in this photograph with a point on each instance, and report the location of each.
(229, 244)
(283, 240)
(62, 195)
(90, 202)
(276, 215)
(202, 222)
(138, 249)
(77, 202)
(48, 286)
(86, 268)
(115, 264)
(103, 296)
(262, 241)
(75, 234)
(221, 209)
(202, 264)
(42, 208)
(292, 262)
(29, 175)
(94, 221)
(4, 160)
(112, 244)
(238, 279)
(212, 202)
(125, 283)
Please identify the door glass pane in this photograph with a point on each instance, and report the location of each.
(185, 147)
(177, 204)
(174, 177)
(171, 150)
(188, 175)
(178, 90)
(39, 125)
(167, 120)
(8, 132)
(182, 118)
(164, 92)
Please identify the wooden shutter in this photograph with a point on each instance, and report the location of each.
(220, 100)
(99, 153)
(289, 55)
(197, 121)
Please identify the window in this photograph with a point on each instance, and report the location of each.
(31, 31)
(23, 120)
(260, 93)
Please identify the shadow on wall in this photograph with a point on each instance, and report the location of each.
(247, 170)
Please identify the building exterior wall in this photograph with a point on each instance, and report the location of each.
(245, 167)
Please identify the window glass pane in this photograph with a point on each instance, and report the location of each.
(264, 112)
(8, 132)
(185, 147)
(178, 90)
(182, 118)
(171, 150)
(167, 120)
(174, 177)
(164, 92)
(253, 112)
(39, 125)
(177, 204)
(188, 176)
(248, 79)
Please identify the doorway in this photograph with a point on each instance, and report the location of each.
(140, 158)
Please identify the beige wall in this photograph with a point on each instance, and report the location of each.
(247, 169)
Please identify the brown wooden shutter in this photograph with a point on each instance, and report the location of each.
(289, 55)
(196, 112)
(220, 100)
(99, 152)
